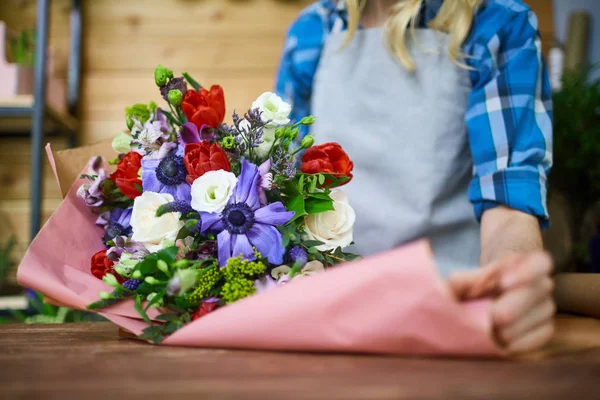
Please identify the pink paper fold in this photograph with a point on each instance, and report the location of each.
(392, 303)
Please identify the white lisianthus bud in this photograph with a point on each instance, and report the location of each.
(211, 192)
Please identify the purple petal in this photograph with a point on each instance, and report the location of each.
(273, 214)
(162, 119)
(224, 243)
(267, 241)
(164, 150)
(265, 167)
(211, 221)
(103, 218)
(207, 133)
(189, 134)
(246, 190)
(122, 216)
(264, 284)
(241, 245)
(184, 192)
(149, 181)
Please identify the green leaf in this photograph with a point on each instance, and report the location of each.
(320, 196)
(100, 304)
(169, 117)
(168, 255)
(312, 243)
(183, 233)
(167, 317)
(316, 206)
(183, 304)
(321, 179)
(191, 81)
(140, 310)
(313, 184)
(144, 289)
(285, 241)
(172, 327)
(312, 250)
(296, 204)
(148, 266)
(301, 184)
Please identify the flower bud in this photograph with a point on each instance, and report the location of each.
(122, 143)
(163, 266)
(175, 97)
(151, 296)
(105, 295)
(119, 270)
(280, 132)
(307, 141)
(293, 133)
(110, 280)
(307, 120)
(228, 143)
(161, 75)
(187, 278)
(180, 264)
(191, 224)
(152, 280)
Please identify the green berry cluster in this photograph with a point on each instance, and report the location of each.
(206, 281)
(239, 277)
(237, 289)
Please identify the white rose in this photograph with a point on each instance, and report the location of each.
(211, 192)
(273, 109)
(333, 228)
(152, 231)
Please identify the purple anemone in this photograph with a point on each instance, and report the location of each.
(119, 224)
(244, 224)
(166, 176)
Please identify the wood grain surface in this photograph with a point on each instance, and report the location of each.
(87, 361)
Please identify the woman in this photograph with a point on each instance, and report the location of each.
(445, 108)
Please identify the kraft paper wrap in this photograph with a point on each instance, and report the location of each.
(391, 303)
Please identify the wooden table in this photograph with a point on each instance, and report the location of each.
(85, 361)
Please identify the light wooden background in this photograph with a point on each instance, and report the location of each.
(235, 43)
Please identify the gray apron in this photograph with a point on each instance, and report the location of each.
(407, 136)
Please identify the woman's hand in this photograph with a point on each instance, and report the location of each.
(523, 309)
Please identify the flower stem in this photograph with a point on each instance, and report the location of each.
(175, 115)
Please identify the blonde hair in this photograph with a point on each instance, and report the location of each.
(455, 18)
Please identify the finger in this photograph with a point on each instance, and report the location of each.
(529, 270)
(538, 315)
(534, 339)
(511, 306)
(476, 283)
(461, 282)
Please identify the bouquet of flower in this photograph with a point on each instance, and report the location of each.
(199, 214)
(197, 217)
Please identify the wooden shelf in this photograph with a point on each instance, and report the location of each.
(15, 116)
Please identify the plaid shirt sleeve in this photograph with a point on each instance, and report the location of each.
(509, 117)
(300, 58)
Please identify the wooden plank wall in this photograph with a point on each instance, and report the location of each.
(235, 43)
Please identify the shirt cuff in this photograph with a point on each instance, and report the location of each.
(520, 189)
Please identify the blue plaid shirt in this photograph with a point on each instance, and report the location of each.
(509, 116)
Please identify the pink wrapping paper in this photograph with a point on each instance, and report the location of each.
(392, 303)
